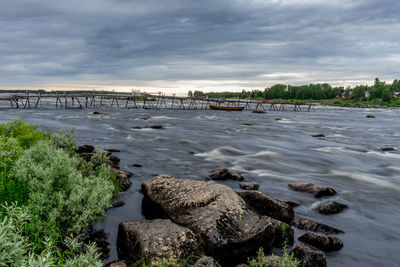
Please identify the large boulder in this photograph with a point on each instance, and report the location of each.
(309, 256)
(122, 178)
(309, 225)
(331, 207)
(249, 186)
(222, 173)
(324, 242)
(266, 205)
(156, 241)
(317, 190)
(228, 228)
(85, 149)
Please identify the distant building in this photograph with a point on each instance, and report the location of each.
(396, 94)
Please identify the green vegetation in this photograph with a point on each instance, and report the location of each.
(48, 195)
(379, 94)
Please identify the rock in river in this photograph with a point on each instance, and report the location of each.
(324, 242)
(309, 256)
(309, 225)
(266, 205)
(317, 190)
(156, 239)
(122, 178)
(229, 230)
(249, 186)
(222, 173)
(331, 207)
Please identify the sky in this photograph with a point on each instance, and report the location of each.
(181, 45)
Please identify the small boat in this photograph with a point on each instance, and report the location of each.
(226, 108)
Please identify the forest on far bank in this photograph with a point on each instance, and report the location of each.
(380, 90)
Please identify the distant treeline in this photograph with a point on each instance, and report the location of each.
(311, 91)
(38, 91)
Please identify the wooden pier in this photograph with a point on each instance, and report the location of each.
(143, 101)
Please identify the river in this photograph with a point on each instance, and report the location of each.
(270, 152)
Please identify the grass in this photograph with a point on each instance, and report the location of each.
(48, 195)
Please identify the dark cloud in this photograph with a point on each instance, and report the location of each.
(206, 43)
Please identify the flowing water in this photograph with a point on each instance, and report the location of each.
(270, 152)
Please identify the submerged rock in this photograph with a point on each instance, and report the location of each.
(229, 230)
(249, 186)
(122, 178)
(259, 111)
(222, 173)
(324, 242)
(264, 204)
(112, 150)
(155, 241)
(97, 113)
(371, 116)
(331, 207)
(309, 225)
(117, 203)
(292, 204)
(247, 124)
(160, 127)
(318, 135)
(317, 190)
(137, 165)
(385, 149)
(309, 256)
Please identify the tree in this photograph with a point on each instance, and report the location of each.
(190, 94)
(386, 95)
(359, 92)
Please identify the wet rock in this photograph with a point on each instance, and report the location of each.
(309, 225)
(86, 156)
(284, 233)
(153, 240)
(97, 113)
(278, 119)
(117, 203)
(249, 186)
(331, 207)
(259, 111)
(137, 165)
(324, 242)
(122, 178)
(100, 238)
(222, 173)
(247, 124)
(264, 204)
(309, 256)
(206, 261)
(112, 150)
(117, 264)
(114, 159)
(317, 190)
(85, 149)
(160, 127)
(371, 116)
(229, 230)
(272, 260)
(318, 135)
(385, 149)
(136, 127)
(292, 204)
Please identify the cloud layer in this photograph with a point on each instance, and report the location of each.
(182, 44)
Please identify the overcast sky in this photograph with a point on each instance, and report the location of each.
(177, 45)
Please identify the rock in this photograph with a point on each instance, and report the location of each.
(112, 150)
(122, 178)
(112, 164)
(259, 111)
(117, 203)
(100, 238)
(136, 127)
(331, 207)
(385, 149)
(309, 225)
(153, 240)
(157, 127)
(97, 113)
(272, 260)
(117, 264)
(137, 165)
(317, 190)
(284, 233)
(324, 242)
(249, 186)
(247, 124)
(86, 156)
(371, 116)
(292, 204)
(278, 119)
(206, 261)
(242, 265)
(114, 159)
(222, 173)
(263, 204)
(85, 149)
(309, 256)
(229, 230)
(318, 135)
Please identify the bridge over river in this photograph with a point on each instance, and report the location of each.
(139, 101)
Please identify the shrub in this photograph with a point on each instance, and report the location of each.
(65, 140)
(60, 195)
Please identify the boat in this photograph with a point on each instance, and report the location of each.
(226, 108)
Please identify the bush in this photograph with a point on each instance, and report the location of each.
(65, 140)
